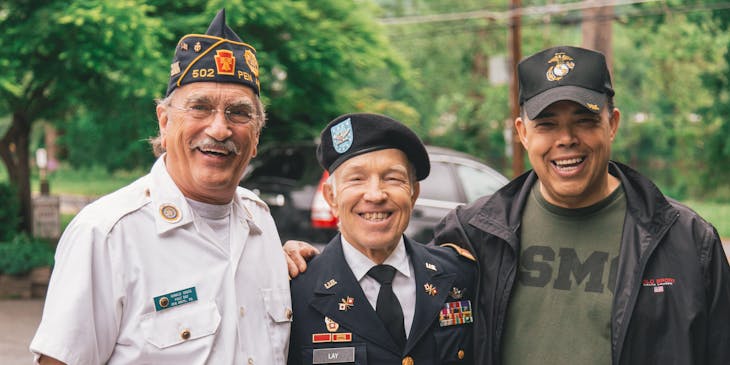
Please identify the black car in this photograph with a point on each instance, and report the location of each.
(289, 179)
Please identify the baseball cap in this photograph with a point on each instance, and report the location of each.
(564, 73)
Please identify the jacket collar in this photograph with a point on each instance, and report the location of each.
(501, 214)
(172, 209)
(336, 284)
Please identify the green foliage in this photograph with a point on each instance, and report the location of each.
(23, 254)
(9, 210)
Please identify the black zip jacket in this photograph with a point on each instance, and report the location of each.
(662, 240)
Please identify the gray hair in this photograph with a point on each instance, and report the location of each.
(156, 142)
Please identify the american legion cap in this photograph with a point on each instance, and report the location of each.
(564, 73)
(219, 55)
(354, 134)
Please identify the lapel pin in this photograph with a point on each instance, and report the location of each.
(430, 266)
(347, 303)
(456, 293)
(430, 289)
(330, 283)
(170, 213)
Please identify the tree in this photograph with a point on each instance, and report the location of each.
(93, 67)
(60, 58)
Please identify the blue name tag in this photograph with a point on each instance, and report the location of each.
(175, 298)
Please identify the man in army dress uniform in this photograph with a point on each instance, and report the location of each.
(374, 296)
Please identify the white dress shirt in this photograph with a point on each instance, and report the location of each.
(404, 282)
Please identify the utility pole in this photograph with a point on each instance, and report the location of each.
(515, 39)
(597, 29)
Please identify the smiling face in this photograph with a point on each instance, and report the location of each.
(373, 197)
(206, 157)
(569, 148)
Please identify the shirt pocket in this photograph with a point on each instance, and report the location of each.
(278, 308)
(192, 322)
(454, 344)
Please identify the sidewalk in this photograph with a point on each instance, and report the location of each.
(18, 322)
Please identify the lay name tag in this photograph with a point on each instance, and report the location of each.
(175, 298)
(334, 355)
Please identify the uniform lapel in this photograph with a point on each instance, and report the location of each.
(428, 274)
(335, 284)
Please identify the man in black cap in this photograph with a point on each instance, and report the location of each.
(182, 266)
(583, 260)
(374, 296)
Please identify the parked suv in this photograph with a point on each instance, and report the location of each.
(289, 179)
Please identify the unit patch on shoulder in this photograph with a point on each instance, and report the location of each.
(461, 251)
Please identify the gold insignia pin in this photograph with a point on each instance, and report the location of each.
(197, 47)
(331, 325)
(430, 289)
(346, 303)
(170, 213)
(456, 293)
(174, 68)
(593, 107)
(430, 266)
(330, 283)
(183, 46)
(563, 65)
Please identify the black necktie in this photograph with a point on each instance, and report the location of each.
(388, 307)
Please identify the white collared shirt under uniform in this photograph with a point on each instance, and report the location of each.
(404, 283)
(123, 252)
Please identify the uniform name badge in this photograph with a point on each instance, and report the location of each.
(456, 313)
(174, 299)
(337, 355)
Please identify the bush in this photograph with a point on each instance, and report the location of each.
(22, 254)
(9, 212)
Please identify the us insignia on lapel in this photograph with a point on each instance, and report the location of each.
(455, 313)
(330, 283)
(430, 266)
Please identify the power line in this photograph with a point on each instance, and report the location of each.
(471, 27)
(503, 15)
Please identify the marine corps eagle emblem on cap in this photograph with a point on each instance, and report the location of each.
(563, 65)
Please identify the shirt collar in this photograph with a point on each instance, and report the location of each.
(361, 264)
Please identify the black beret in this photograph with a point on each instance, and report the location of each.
(219, 55)
(564, 73)
(352, 135)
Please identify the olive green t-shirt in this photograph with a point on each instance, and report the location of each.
(560, 309)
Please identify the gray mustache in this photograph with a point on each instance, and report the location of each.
(208, 142)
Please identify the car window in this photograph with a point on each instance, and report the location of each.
(292, 164)
(439, 185)
(478, 182)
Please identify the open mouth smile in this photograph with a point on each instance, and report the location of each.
(375, 216)
(568, 165)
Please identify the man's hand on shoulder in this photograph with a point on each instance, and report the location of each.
(297, 255)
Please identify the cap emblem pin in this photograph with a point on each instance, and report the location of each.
(563, 65)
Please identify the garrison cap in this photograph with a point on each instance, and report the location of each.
(352, 135)
(219, 55)
(564, 73)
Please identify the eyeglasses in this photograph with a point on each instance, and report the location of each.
(235, 114)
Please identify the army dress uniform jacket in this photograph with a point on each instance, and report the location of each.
(329, 304)
(139, 279)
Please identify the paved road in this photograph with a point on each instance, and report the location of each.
(19, 320)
